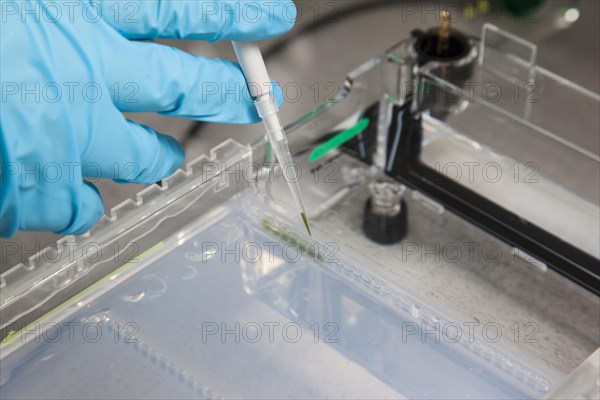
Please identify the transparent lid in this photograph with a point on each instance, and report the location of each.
(510, 135)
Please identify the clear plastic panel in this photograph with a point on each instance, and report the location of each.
(515, 136)
(507, 54)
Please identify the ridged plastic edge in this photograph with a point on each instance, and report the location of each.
(23, 277)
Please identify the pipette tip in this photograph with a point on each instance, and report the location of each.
(305, 219)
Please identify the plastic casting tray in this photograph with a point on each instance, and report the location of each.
(230, 309)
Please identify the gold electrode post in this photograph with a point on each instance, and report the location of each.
(444, 34)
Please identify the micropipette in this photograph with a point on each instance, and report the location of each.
(257, 78)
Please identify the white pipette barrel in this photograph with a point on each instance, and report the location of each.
(259, 84)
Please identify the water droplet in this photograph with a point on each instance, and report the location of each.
(46, 355)
(135, 297)
(189, 273)
(201, 257)
(99, 317)
(155, 286)
(415, 311)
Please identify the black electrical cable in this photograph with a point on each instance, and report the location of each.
(312, 27)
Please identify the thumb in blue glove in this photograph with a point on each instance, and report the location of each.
(70, 71)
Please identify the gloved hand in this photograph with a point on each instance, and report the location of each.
(69, 69)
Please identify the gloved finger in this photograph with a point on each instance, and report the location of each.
(200, 19)
(157, 78)
(75, 207)
(86, 211)
(126, 151)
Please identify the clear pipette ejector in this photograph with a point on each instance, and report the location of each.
(259, 84)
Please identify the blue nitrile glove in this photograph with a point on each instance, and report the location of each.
(68, 70)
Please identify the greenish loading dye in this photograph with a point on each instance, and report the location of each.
(339, 139)
(292, 238)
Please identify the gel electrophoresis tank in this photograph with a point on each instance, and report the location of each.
(208, 287)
